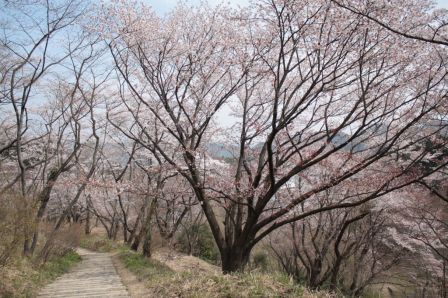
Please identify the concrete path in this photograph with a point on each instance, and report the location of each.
(94, 276)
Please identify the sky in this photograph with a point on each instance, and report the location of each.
(443, 3)
(163, 6)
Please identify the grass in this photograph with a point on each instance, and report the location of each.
(24, 277)
(144, 268)
(58, 266)
(99, 243)
(164, 282)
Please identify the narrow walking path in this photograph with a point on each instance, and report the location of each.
(94, 276)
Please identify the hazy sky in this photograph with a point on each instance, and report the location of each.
(162, 6)
(443, 3)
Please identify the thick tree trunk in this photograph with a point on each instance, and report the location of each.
(234, 259)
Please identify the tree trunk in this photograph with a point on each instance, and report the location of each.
(87, 226)
(116, 228)
(44, 198)
(35, 237)
(26, 248)
(234, 259)
(334, 274)
(137, 239)
(148, 230)
(134, 229)
(125, 234)
(147, 243)
(316, 268)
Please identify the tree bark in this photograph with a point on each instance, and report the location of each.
(87, 226)
(148, 230)
(137, 239)
(234, 259)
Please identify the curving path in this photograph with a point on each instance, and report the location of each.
(94, 276)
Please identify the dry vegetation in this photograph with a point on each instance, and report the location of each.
(23, 277)
(169, 273)
(189, 277)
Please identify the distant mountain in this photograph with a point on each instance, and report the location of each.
(218, 150)
(340, 138)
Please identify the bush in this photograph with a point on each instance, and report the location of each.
(198, 241)
(16, 222)
(65, 240)
(260, 260)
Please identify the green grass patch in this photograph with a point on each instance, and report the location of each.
(58, 266)
(144, 268)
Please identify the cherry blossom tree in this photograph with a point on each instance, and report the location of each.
(313, 87)
(344, 249)
(27, 42)
(48, 54)
(422, 22)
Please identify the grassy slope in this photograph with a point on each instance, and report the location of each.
(193, 279)
(164, 282)
(23, 278)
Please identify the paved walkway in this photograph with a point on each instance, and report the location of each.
(94, 276)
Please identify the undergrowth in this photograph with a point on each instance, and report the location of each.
(23, 277)
(164, 282)
(144, 268)
(99, 243)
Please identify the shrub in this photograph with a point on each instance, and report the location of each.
(260, 260)
(65, 240)
(198, 241)
(16, 214)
